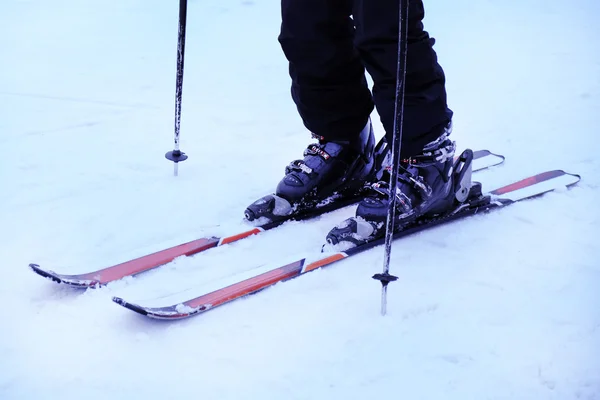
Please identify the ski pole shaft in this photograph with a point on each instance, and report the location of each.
(176, 155)
(385, 278)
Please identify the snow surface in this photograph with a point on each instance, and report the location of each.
(505, 306)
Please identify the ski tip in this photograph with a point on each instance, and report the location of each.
(46, 274)
(77, 281)
(170, 313)
(53, 276)
(133, 307)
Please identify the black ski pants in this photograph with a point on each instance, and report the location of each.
(329, 43)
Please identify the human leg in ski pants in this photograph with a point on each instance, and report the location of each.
(329, 43)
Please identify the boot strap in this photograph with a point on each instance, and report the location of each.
(415, 182)
(438, 155)
(316, 150)
(402, 200)
(298, 166)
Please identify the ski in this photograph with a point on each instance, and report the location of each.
(263, 277)
(483, 159)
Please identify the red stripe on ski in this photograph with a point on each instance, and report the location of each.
(324, 261)
(532, 180)
(246, 286)
(239, 236)
(150, 261)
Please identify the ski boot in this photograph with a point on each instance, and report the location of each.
(429, 185)
(331, 171)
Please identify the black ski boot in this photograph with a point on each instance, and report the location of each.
(429, 184)
(330, 171)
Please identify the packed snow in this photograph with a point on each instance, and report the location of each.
(502, 306)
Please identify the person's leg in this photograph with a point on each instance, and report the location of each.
(328, 79)
(426, 112)
(331, 93)
(426, 182)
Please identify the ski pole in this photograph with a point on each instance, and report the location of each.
(385, 278)
(177, 155)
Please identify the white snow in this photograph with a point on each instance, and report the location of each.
(503, 306)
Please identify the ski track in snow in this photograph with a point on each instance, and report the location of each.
(503, 306)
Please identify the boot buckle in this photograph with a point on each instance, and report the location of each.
(462, 171)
